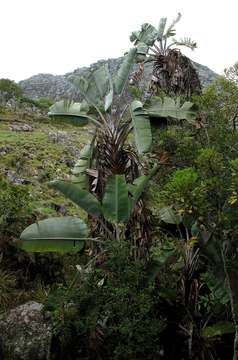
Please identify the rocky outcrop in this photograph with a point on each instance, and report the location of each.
(206, 75)
(58, 86)
(25, 334)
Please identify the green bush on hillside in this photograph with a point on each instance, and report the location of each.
(9, 89)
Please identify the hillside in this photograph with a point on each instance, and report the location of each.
(57, 86)
(35, 150)
(142, 258)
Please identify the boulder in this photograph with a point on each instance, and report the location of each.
(25, 333)
(60, 137)
(24, 127)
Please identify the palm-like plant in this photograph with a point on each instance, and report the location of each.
(106, 180)
(173, 73)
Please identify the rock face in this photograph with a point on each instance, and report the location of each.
(25, 334)
(57, 86)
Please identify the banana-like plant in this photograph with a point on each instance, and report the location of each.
(173, 73)
(113, 196)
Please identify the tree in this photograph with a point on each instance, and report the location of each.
(9, 89)
(231, 73)
(220, 100)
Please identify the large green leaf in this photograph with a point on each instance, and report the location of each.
(147, 35)
(56, 234)
(81, 197)
(142, 128)
(88, 89)
(75, 113)
(103, 81)
(124, 71)
(79, 171)
(101, 77)
(137, 188)
(116, 206)
(169, 107)
(96, 89)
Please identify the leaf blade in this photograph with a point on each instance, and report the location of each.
(116, 207)
(142, 128)
(55, 234)
(124, 71)
(81, 197)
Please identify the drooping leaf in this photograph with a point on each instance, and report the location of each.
(124, 71)
(188, 42)
(79, 171)
(83, 198)
(142, 128)
(168, 107)
(116, 207)
(62, 234)
(75, 113)
(169, 216)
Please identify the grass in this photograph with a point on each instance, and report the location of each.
(34, 157)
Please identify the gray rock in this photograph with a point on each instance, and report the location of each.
(13, 177)
(58, 137)
(6, 150)
(24, 127)
(58, 86)
(25, 333)
(73, 151)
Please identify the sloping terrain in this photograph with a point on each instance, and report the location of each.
(35, 150)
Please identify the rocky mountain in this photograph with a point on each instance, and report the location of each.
(58, 86)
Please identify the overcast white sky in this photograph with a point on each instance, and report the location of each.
(57, 36)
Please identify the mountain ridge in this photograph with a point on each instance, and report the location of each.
(58, 86)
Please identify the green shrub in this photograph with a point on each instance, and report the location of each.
(9, 89)
(14, 207)
(44, 103)
(210, 163)
(113, 314)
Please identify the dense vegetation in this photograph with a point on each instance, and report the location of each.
(144, 264)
